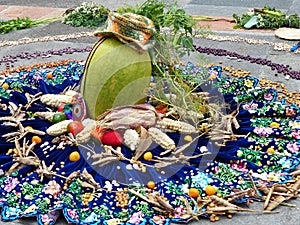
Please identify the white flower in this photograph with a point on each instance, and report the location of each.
(185, 188)
(203, 149)
(108, 185)
(131, 139)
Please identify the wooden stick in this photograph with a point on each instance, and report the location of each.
(239, 209)
(277, 201)
(268, 197)
(295, 173)
(252, 183)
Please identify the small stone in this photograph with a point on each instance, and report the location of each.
(129, 167)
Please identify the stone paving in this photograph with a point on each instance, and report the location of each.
(220, 9)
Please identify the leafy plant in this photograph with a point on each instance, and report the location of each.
(266, 18)
(88, 14)
(179, 24)
(22, 23)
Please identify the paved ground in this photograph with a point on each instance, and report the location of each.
(218, 8)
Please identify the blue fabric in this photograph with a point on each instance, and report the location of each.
(25, 192)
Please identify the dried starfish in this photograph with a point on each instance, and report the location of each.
(157, 201)
(180, 158)
(224, 130)
(15, 120)
(32, 99)
(22, 157)
(43, 170)
(22, 133)
(89, 180)
(107, 157)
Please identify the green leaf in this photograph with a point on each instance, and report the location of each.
(187, 42)
(252, 22)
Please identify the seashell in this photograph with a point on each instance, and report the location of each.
(58, 128)
(161, 138)
(45, 115)
(131, 139)
(175, 125)
(85, 135)
(56, 100)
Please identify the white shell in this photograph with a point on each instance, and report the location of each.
(58, 128)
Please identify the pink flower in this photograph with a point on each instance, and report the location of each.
(45, 218)
(178, 211)
(293, 148)
(72, 213)
(250, 106)
(51, 216)
(296, 134)
(268, 96)
(11, 185)
(263, 131)
(136, 218)
(239, 168)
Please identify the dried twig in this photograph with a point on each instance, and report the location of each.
(268, 197)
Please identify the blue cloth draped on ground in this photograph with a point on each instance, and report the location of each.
(25, 193)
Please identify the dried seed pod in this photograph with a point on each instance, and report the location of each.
(130, 116)
(161, 138)
(131, 139)
(54, 100)
(58, 128)
(277, 201)
(175, 125)
(85, 135)
(222, 201)
(45, 115)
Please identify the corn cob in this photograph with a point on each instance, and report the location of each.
(58, 128)
(161, 138)
(175, 125)
(55, 100)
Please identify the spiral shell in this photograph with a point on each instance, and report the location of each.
(85, 134)
(175, 125)
(131, 139)
(161, 138)
(58, 128)
(45, 115)
(56, 100)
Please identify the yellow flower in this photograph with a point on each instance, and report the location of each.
(274, 125)
(248, 83)
(271, 150)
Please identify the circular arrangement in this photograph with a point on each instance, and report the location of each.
(157, 168)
